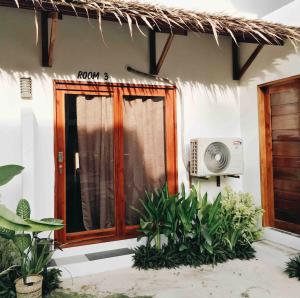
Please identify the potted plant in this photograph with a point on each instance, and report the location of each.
(24, 232)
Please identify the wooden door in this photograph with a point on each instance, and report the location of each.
(79, 106)
(282, 155)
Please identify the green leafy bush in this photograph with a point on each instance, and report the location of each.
(293, 267)
(197, 231)
(22, 251)
(9, 254)
(51, 280)
(241, 214)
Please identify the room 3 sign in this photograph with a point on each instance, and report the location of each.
(91, 75)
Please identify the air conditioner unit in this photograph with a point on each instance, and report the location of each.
(216, 157)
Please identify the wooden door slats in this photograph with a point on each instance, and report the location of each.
(279, 108)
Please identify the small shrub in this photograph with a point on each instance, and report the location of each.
(51, 280)
(241, 213)
(293, 267)
(148, 257)
(198, 231)
(9, 254)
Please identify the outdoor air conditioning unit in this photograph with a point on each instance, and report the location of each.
(216, 157)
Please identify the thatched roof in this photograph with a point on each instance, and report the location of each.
(159, 17)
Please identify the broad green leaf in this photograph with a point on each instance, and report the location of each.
(41, 226)
(22, 241)
(52, 220)
(5, 232)
(206, 237)
(182, 247)
(145, 224)
(8, 172)
(6, 271)
(6, 224)
(208, 247)
(11, 216)
(23, 209)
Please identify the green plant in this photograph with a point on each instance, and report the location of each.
(51, 280)
(8, 172)
(241, 219)
(198, 231)
(153, 215)
(187, 212)
(209, 223)
(9, 256)
(22, 232)
(293, 267)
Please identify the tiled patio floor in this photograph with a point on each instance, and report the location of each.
(260, 277)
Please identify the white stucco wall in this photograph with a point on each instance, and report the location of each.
(214, 104)
(201, 70)
(272, 63)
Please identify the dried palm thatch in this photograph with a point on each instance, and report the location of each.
(158, 17)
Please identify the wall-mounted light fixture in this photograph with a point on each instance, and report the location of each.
(26, 88)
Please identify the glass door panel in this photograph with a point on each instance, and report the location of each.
(89, 131)
(144, 150)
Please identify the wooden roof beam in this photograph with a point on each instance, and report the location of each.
(48, 44)
(238, 71)
(155, 67)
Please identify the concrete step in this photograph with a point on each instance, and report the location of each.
(97, 258)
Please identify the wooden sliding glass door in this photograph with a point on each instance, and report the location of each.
(112, 142)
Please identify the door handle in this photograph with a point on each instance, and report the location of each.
(60, 159)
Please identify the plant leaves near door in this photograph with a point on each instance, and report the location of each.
(23, 209)
(8, 172)
(22, 231)
(293, 267)
(22, 241)
(198, 231)
(11, 221)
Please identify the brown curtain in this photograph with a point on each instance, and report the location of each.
(144, 150)
(96, 159)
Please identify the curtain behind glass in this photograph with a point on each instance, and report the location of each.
(144, 151)
(96, 159)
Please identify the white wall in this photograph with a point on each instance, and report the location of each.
(201, 70)
(274, 62)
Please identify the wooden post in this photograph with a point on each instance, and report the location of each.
(54, 18)
(164, 53)
(152, 52)
(45, 42)
(250, 60)
(235, 61)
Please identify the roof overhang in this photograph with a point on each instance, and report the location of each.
(166, 19)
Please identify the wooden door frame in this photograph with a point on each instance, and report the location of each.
(117, 90)
(265, 146)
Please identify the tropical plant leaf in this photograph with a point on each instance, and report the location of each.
(6, 224)
(6, 233)
(8, 172)
(22, 241)
(11, 216)
(23, 209)
(42, 226)
(52, 220)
